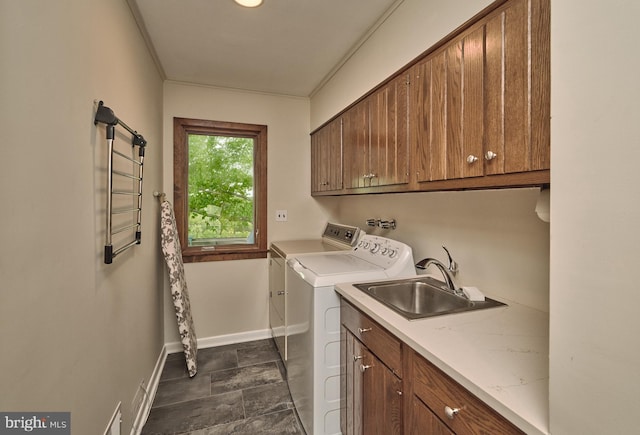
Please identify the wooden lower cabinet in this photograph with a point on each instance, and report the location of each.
(425, 422)
(374, 394)
(423, 400)
(452, 404)
(371, 381)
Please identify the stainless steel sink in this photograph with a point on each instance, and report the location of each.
(417, 298)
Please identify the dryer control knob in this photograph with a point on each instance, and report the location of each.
(393, 253)
(375, 248)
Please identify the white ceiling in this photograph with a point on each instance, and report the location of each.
(286, 47)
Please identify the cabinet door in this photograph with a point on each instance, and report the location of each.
(426, 422)
(517, 110)
(381, 397)
(326, 158)
(438, 141)
(389, 134)
(420, 122)
(356, 146)
(351, 384)
(317, 161)
(447, 110)
(372, 393)
(463, 106)
(376, 138)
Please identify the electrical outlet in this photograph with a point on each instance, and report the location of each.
(281, 215)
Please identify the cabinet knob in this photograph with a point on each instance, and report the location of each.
(490, 155)
(399, 393)
(362, 330)
(357, 357)
(451, 412)
(281, 292)
(471, 159)
(364, 367)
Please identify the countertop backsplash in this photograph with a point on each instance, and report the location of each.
(495, 236)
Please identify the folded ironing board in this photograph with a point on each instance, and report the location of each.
(179, 293)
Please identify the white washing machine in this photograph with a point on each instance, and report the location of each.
(335, 237)
(313, 366)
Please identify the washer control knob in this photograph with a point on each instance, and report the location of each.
(393, 253)
(375, 248)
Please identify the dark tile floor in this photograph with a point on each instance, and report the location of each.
(239, 389)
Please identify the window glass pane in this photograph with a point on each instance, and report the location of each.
(221, 190)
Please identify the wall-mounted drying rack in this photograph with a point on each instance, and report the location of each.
(128, 187)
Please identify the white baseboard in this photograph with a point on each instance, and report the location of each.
(152, 387)
(221, 340)
(175, 347)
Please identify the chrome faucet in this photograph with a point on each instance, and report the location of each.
(446, 272)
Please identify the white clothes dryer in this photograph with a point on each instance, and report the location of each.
(335, 237)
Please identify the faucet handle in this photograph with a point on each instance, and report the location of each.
(453, 266)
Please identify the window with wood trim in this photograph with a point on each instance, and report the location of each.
(220, 189)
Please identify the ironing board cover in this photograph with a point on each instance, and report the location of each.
(179, 293)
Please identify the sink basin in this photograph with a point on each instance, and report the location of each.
(417, 298)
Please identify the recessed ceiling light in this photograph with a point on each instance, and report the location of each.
(249, 3)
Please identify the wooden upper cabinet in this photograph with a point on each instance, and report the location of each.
(447, 118)
(472, 112)
(480, 103)
(376, 138)
(326, 158)
(356, 145)
(517, 88)
(389, 133)
(420, 118)
(472, 125)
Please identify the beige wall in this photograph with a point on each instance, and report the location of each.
(230, 297)
(496, 238)
(595, 233)
(77, 335)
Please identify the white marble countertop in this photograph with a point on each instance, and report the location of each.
(499, 354)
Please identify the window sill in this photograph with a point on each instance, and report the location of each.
(198, 255)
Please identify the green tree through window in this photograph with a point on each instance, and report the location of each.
(220, 190)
